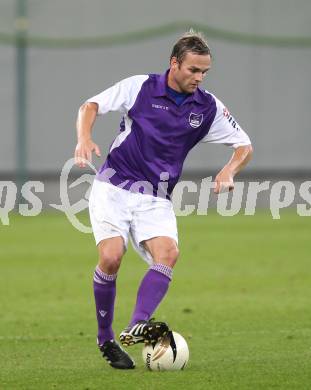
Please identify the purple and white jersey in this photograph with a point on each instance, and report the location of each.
(156, 134)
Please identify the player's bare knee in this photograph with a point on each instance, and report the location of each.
(173, 257)
(110, 260)
(168, 257)
(109, 263)
(110, 254)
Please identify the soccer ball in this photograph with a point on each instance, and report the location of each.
(171, 353)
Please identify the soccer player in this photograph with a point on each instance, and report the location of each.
(163, 118)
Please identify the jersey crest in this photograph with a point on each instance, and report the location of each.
(195, 120)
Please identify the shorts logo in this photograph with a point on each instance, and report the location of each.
(195, 120)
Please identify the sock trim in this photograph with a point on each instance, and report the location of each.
(101, 277)
(163, 269)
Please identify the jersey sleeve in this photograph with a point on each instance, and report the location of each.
(225, 129)
(119, 97)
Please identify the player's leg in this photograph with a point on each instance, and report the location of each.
(151, 292)
(155, 283)
(109, 218)
(110, 252)
(154, 236)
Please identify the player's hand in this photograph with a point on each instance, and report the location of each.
(224, 181)
(83, 152)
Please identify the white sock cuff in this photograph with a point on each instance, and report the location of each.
(100, 276)
(163, 269)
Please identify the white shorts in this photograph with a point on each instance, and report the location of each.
(117, 212)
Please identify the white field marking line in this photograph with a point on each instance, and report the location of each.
(211, 334)
(44, 338)
(255, 332)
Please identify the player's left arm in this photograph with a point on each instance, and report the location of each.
(224, 179)
(226, 130)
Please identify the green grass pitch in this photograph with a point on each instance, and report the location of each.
(240, 296)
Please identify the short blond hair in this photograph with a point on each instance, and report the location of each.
(190, 42)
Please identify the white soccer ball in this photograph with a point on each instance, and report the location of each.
(169, 354)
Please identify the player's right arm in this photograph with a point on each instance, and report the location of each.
(85, 146)
(120, 97)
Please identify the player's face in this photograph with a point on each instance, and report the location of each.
(186, 76)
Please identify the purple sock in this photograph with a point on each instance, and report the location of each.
(104, 293)
(151, 291)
